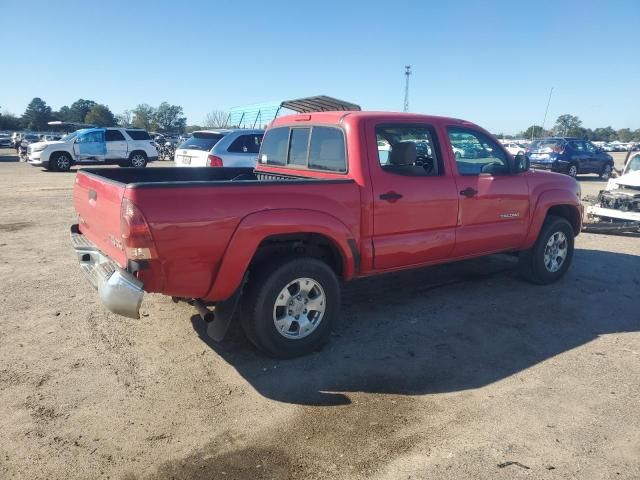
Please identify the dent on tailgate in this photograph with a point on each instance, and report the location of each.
(97, 203)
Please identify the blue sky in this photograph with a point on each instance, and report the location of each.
(489, 62)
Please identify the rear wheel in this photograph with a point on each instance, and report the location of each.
(60, 161)
(138, 160)
(551, 256)
(290, 308)
(573, 170)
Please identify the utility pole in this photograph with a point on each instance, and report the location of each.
(407, 73)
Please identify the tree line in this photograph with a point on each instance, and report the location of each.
(571, 126)
(165, 118)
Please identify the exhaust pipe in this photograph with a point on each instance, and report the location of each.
(207, 315)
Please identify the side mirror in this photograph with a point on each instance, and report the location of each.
(521, 162)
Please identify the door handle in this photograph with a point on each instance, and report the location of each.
(390, 196)
(468, 192)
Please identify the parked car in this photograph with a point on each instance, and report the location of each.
(318, 209)
(5, 140)
(218, 148)
(127, 147)
(620, 201)
(515, 148)
(570, 155)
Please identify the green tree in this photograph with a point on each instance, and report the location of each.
(625, 135)
(534, 131)
(636, 135)
(568, 125)
(37, 114)
(606, 134)
(143, 116)
(63, 114)
(78, 110)
(193, 128)
(9, 121)
(101, 116)
(169, 118)
(125, 119)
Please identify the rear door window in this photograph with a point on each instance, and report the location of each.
(246, 144)
(138, 134)
(114, 136)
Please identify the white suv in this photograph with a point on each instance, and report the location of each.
(220, 148)
(127, 147)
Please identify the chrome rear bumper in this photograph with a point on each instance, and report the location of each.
(119, 291)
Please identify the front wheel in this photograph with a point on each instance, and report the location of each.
(573, 170)
(60, 161)
(551, 256)
(605, 174)
(290, 308)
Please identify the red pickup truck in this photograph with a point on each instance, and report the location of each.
(335, 196)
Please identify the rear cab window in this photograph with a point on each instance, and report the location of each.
(318, 147)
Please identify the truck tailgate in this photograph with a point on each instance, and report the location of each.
(97, 202)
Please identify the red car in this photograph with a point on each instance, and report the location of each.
(335, 196)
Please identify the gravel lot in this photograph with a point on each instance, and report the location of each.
(461, 371)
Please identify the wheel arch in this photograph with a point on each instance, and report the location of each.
(557, 203)
(261, 236)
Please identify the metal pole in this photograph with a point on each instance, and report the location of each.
(407, 72)
(544, 120)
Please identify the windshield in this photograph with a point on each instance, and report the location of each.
(68, 137)
(633, 165)
(546, 144)
(201, 141)
(31, 137)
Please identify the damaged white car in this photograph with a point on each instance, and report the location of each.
(618, 206)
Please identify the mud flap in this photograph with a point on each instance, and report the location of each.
(224, 311)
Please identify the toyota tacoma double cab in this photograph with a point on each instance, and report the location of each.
(127, 147)
(335, 196)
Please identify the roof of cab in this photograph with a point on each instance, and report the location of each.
(339, 116)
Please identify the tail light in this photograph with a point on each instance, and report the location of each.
(213, 161)
(136, 234)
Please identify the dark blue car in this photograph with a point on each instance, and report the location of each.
(569, 155)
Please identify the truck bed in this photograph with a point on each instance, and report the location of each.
(181, 177)
(193, 213)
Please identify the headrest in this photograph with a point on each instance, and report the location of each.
(403, 153)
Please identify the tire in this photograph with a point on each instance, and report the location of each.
(138, 160)
(538, 265)
(572, 171)
(605, 174)
(59, 162)
(273, 328)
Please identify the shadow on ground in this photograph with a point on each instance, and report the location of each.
(445, 329)
(8, 157)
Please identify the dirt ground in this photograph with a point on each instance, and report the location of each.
(461, 371)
